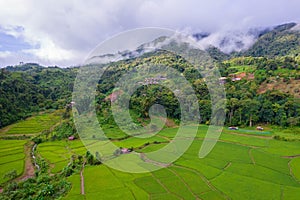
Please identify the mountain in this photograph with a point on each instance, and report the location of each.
(281, 41)
(257, 42)
(29, 88)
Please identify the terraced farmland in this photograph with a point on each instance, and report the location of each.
(240, 166)
(11, 157)
(33, 125)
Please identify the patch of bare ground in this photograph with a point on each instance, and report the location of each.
(29, 168)
(82, 180)
(290, 87)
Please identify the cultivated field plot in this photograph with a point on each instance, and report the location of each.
(11, 157)
(58, 153)
(241, 166)
(33, 125)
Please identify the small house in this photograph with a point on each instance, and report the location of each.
(259, 128)
(124, 151)
(233, 128)
(71, 138)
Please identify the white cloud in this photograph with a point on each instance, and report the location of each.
(63, 32)
(5, 54)
(50, 52)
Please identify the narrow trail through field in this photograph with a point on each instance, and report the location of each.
(227, 166)
(185, 183)
(164, 137)
(147, 160)
(157, 179)
(249, 135)
(18, 135)
(123, 183)
(29, 168)
(291, 172)
(251, 156)
(82, 179)
(208, 183)
(293, 156)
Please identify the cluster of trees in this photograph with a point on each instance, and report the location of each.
(246, 107)
(280, 41)
(41, 186)
(32, 88)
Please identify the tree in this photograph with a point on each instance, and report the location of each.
(10, 175)
(232, 105)
(98, 158)
(251, 110)
(89, 158)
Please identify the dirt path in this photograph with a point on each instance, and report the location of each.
(168, 191)
(164, 137)
(251, 156)
(213, 188)
(293, 156)
(29, 168)
(82, 179)
(249, 135)
(291, 172)
(145, 159)
(185, 183)
(227, 166)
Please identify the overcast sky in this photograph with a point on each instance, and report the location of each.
(64, 32)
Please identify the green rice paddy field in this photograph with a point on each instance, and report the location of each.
(11, 157)
(33, 125)
(241, 166)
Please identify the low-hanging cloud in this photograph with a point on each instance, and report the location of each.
(63, 32)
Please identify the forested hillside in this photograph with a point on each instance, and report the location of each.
(30, 88)
(262, 84)
(281, 41)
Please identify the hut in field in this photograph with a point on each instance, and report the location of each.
(71, 138)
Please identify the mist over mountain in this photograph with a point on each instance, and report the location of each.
(269, 41)
(265, 41)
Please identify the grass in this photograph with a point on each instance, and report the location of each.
(291, 193)
(103, 183)
(58, 153)
(11, 157)
(270, 161)
(290, 134)
(150, 185)
(239, 167)
(211, 195)
(152, 147)
(138, 142)
(283, 148)
(75, 192)
(243, 187)
(295, 163)
(244, 68)
(33, 125)
(261, 173)
(193, 180)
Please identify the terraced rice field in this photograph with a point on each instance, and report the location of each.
(239, 167)
(11, 157)
(33, 125)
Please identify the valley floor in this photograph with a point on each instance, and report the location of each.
(242, 165)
